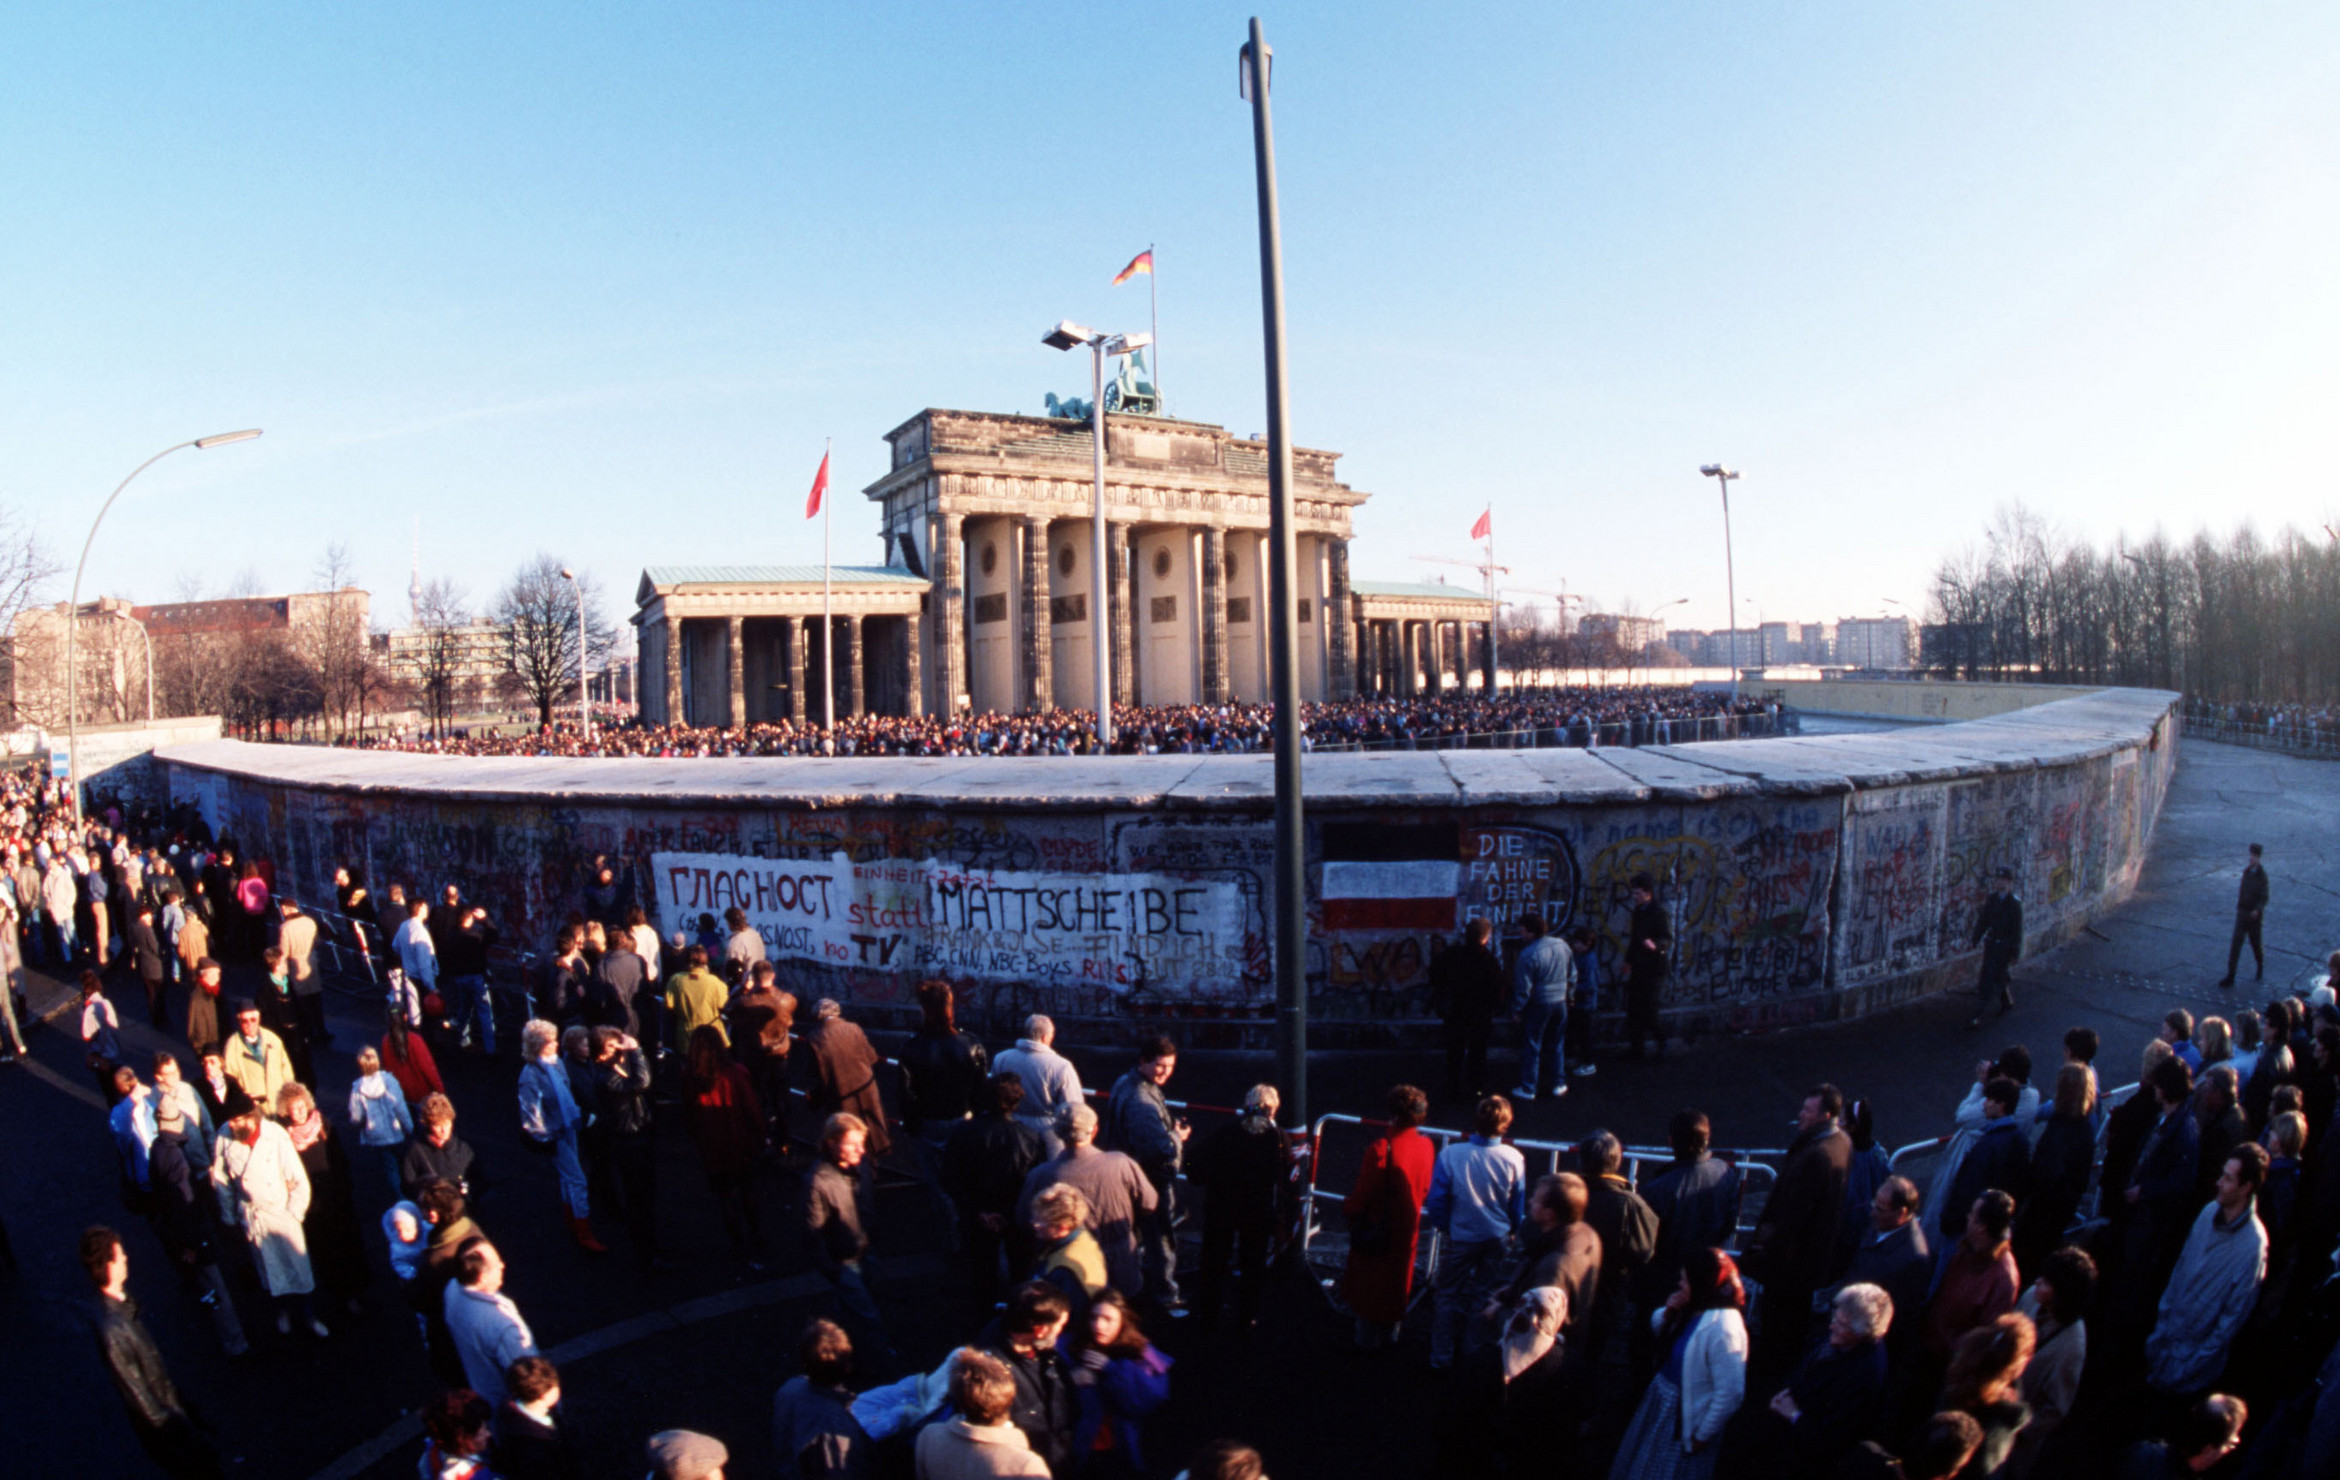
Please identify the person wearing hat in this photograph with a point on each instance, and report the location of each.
(264, 1190)
(255, 1058)
(179, 1220)
(2250, 912)
(681, 1454)
(1998, 929)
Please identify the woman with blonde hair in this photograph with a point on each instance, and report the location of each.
(2060, 1167)
(1984, 1372)
(1245, 1168)
(337, 1251)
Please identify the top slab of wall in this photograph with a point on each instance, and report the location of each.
(1942, 701)
(2060, 732)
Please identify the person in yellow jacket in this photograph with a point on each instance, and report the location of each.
(255, 1058)
(695, 997)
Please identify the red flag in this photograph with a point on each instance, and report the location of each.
(1479, 531)
(820, 486)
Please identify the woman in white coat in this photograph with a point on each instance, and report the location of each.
(264, 1190)
(1682, 1414)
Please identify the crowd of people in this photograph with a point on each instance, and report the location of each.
(1635, 715)
(2313, 726)
(2078, 1288)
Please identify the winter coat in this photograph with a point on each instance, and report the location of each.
(1118, 1192)
(845, 1078)
(1999, 1158)
(489, 1337)
(986, 1161)
(1478, 1191)
(815, 1435)
(547, 1108)
(1051, 1084)
(262, 1068)
(958, 1450)
(1543, 974)
(1796, 1241)
(1697, 1207)
(1241, 1167)
(377, 1107)
(940, 1073)
(417, 1072)
(136, 1365)
(727, 1123)
(1714, 1373)
(1388, 1195)
(264, 1189)
(836, 1215)
(1137, 1123)
(2209, 1297)
(1114, 1393)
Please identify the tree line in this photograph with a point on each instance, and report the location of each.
(2239, 618)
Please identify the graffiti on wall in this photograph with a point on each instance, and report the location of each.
(1776, 902)
(932, 918)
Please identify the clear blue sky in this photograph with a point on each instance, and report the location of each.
(598, 279)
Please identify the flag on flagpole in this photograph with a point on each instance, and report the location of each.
(820, 488)
(1479, 531)
(1142, 262)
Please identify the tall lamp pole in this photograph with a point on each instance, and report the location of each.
(584, 691)
(1069, 335)
(73, 607)
(1723, 476)
(1291, 927)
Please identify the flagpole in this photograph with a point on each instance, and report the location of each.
(1154, 322)
(828, 626)
(1494, 609)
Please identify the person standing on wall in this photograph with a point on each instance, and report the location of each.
(1649, 946)
(1543, 977)
(1466, 987)
(2250, 912)
(1998, 929)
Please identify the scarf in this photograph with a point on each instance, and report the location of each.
(1534, 1329)
(218, 1083)
(1523, 1349)
(306, 1133)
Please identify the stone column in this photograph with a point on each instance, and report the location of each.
(1124, 641)
(794, 631)
(913, 655)
(1487, 657)
(1434, 654)
(1214, 615)
(853, 666)
(1340, 662)
(1410, 657)
(1036, 638)
(674, 693)
(735, 650)
(951, 621)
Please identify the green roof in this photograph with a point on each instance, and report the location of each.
(1419, 590)
(778, 575)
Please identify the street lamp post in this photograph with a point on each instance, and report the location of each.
(1069, 335)
(148, 638)
(1291, 925)
(584, 689)
(1723, 476)
(73, 608)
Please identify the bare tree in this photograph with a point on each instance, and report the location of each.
(540, 608)
(441, 614)
(333, 643)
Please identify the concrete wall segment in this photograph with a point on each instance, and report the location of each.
(1808, 880)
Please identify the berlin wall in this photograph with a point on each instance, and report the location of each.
(1809, 879)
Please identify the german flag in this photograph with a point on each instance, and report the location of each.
(1142, 262)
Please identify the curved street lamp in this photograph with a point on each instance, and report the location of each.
(1723, 476)
(73, 606)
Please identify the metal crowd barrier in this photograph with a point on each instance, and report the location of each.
(2307, 740)
(1326, 1252)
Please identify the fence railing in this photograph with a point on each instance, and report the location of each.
(1687, 731)
(2307, 740)
(1325, 1250)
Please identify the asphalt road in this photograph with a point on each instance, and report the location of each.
(703, 1343)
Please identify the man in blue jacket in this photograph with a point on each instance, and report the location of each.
(1541, 980)
(1477, 1199)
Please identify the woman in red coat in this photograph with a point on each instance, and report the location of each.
(1385, 1216)
(728, 1124)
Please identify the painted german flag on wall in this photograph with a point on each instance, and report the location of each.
(1380, 877)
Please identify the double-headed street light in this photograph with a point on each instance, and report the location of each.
(1723, 476)
(1069, 335)
(584, 690)
(73, 609)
